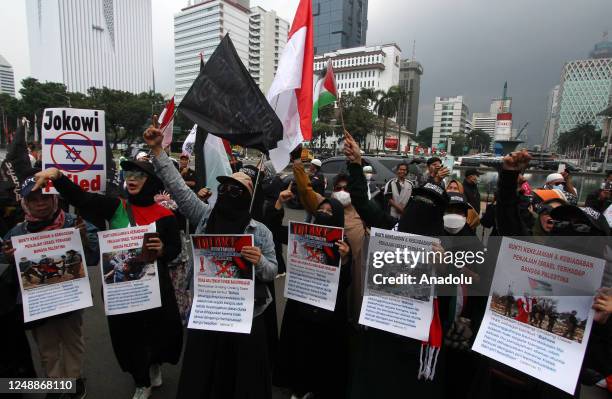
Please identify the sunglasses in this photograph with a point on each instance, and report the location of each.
(135, 174)
(340, 188)
(231, 189)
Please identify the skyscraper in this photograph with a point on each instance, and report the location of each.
(339, 24)
(198, 29)
(94, 43)
(410, 82)
(552, 113)
(267, 38)
(450, 116)
(7, 78)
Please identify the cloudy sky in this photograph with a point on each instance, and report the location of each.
(466, 47)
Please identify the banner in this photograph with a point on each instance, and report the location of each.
(539, 315)
(313, 264)
(130, 279)
(52, 273)
(74, 141)
(400, 309)
(224, 284)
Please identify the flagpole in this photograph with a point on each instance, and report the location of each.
(261, 161)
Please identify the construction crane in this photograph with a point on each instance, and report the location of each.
(521, 130)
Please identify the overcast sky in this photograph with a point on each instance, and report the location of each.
(466, 47)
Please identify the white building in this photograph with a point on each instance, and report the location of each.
(198, 29)
(484, 121)
(267, 39)
(7, 78)
(366, 67)
(552, 113)
(450, 116)
(94, 43)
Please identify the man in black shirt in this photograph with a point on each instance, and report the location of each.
(188, 174)
(470, 188)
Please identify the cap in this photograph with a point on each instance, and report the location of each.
(543, 197)
(27, 186)
(238, 177)
(432, 160)
(434, 192)
(367, 169)
(456, 199)
(472, 172)
(316, 163)
(554, 177)
(141, 155)
(588, 215)
(249, 170)
(144, 166)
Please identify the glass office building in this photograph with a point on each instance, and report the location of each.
(339, 24)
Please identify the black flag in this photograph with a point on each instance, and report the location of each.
(225, 100)
(15, 168)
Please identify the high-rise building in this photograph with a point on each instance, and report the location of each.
(585, 88)
(410, 82)
(450, 116)
(7, 78)
(267, 39)
(372, 67)
(198, 30)
(485, 121)
(552, 113)
(94, 43)
(339, 24)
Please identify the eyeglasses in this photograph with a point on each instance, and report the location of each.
(340, 188)
(135, 174)
(233, 190)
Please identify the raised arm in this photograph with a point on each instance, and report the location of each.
(507, 215)
(308, 196)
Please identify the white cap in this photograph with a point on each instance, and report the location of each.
(553, 177)
(141, 155)
(316, 162)
(367, 169)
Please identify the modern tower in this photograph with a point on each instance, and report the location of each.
(450, 116)
(552, 113)
(7, 78)
(339, 24)
(94, 43)
(410, 82)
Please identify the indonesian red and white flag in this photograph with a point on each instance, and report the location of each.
(166, 123)
(291, 91)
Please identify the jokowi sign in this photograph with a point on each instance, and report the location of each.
(74, 141)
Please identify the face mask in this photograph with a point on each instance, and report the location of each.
(343, 197)
(453, 223)
(559, 187)
(323, 218)
(368, 176)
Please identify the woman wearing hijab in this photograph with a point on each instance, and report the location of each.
(60, 338)
(309, 333)
(473, 219)
(222, 365)
(141, 340)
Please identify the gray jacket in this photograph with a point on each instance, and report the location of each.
(198, 212)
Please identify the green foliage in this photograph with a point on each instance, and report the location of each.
(386, 104)
(460, 144)
(358, 119)
(478, 140)
(424, 136)
(579, 137)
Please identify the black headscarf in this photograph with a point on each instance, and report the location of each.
(152, 186)
(230, 215)
(336, 219)
(422, 218)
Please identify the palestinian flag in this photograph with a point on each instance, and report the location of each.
(324, 91)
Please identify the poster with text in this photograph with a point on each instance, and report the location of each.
(313, 264)
(224, 284)
(74, 141)
(52, 273)
(400, 309)
(539, 315)
(130, 280)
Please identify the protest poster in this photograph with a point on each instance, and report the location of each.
(404, 308)
(74, 141)
(52, 273)
(224, 284)
(313, 264)
(130, 279)
(539, 315)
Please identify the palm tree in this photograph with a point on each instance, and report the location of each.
(387, 106)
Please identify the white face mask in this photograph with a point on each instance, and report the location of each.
(368, 176)
(343, 197)
(453, 223)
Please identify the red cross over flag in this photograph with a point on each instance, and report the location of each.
(74, 141)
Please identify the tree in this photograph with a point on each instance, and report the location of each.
(460, 144)
(358, 119)
(579, 137)
(387, 106)
(424, 136)
(478, 140)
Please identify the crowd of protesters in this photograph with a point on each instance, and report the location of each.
(317, 353)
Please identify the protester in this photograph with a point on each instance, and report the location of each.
(470, 188)
(435, 173)
(397, 190)
(562, 181)
(211, 356)
(187, 173)
(60, 340)
(606, 184)
(318, 180)
(309, 333)
(473, 220)
(372, 189)
(158, 331)
(599, 200)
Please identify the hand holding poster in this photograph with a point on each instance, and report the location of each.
(130, 281)
(52, 273)
(313, 264)
(74, 141)
(539, 314)
(224, 284)
(399, 306)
